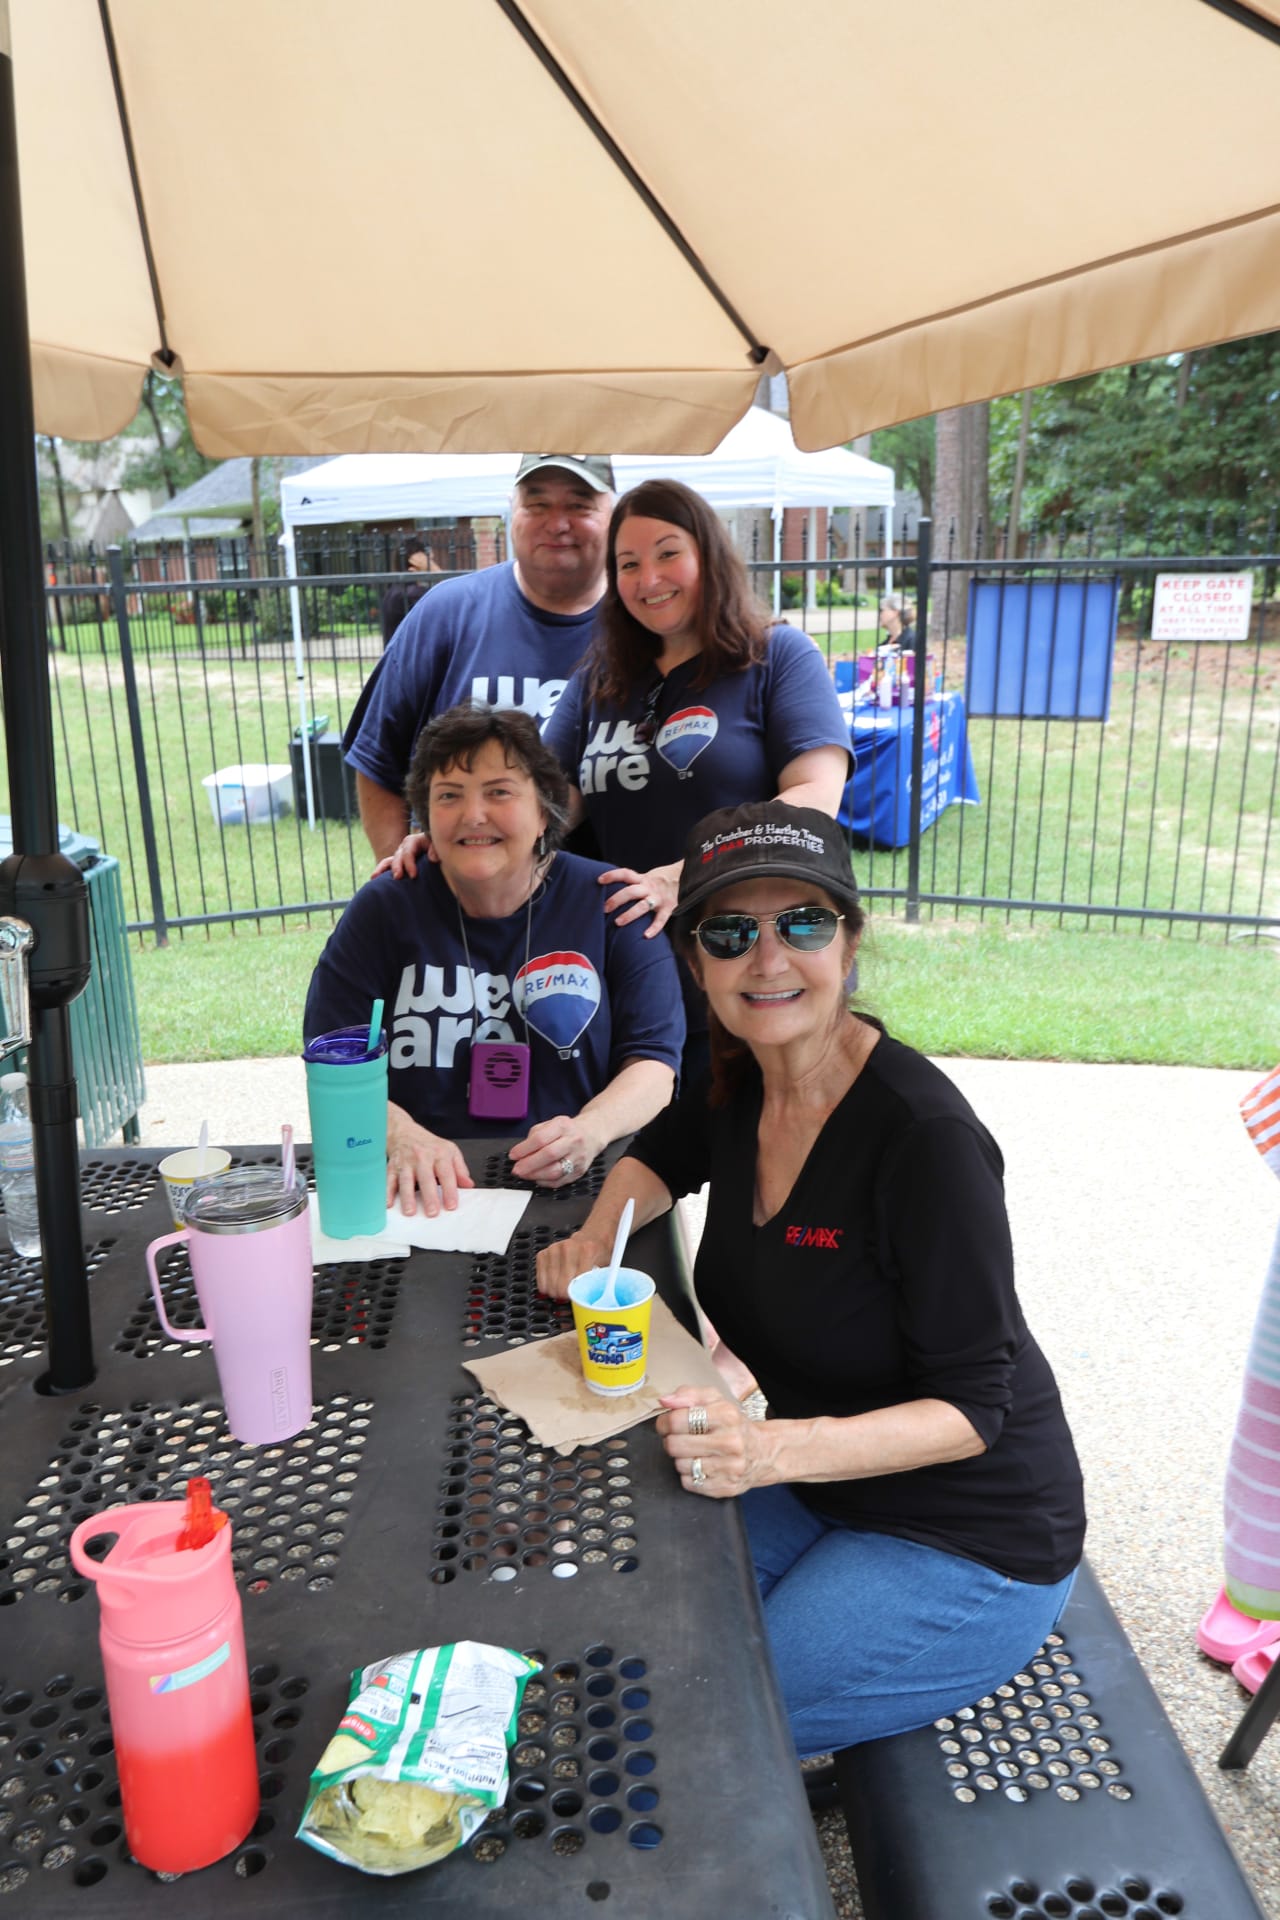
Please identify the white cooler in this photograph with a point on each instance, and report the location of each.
(254, 791)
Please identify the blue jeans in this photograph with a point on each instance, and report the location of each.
(873, 1635)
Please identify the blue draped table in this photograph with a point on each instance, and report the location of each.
(877, 798)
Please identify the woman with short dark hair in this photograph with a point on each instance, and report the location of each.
(513, 1005)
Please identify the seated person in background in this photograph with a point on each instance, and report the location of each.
(895, 618)
(500, 938)
(913, 1502)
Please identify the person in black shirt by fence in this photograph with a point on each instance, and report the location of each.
(403, 594)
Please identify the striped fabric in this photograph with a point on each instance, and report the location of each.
(1260, 1109)
(1252, 1497)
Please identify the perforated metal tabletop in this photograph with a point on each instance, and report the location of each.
(653, 1774)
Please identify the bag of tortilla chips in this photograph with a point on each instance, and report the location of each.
(419, 1758)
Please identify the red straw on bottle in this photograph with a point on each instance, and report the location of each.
(201, 1519)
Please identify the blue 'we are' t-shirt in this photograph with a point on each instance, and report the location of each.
(474, 639)
(713, 746)
(591, 997)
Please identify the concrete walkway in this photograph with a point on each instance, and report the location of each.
(1143, 1220)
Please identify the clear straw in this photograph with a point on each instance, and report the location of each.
(286, 1157)
(375, 1026)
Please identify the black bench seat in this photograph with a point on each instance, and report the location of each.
(1065, 1795)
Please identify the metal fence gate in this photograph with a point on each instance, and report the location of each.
(1122, 779)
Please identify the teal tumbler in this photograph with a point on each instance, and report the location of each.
(347, 1098)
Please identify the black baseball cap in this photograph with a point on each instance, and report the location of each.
(595, 468)
(764, 840)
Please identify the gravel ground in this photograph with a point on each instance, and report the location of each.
(1143, 1221)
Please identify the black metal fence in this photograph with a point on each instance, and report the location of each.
(1113, 776)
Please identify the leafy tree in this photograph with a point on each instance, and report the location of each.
(155, 451)
(909, 450)
(157, 445)
(1183, 447)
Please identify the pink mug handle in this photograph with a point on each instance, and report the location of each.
(174, 1333)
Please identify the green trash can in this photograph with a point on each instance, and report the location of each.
(106, 1045)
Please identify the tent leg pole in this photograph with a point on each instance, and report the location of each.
(24, 665)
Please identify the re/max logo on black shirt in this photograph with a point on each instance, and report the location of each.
(814, 1237)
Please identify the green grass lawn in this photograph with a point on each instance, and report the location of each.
(201, 713)
(1172, 802)
(1010, 993)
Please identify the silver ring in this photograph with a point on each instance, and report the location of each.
(566, 1168)
(652, 904)
(697, 1420)
(697, 1472)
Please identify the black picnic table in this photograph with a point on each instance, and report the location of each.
(654, 1773)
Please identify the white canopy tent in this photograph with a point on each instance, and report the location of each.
(757, 464)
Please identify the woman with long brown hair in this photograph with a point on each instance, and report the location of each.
(689, 698)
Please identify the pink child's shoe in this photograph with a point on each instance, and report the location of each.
(1228, 1635)
(1251, 1669)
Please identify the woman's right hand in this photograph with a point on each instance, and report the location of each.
(565, 1259)
(419, 1162)
(405, 858)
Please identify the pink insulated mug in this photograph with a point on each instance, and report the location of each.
(249, 1240)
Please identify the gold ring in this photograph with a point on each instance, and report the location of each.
(697, 1420)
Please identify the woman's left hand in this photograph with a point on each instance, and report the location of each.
(654, 892)
(730, 1452)
(556, 1152)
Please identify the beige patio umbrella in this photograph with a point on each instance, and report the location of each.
(472, 225)
(469, 225)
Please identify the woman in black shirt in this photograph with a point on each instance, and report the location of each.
(914, 1501)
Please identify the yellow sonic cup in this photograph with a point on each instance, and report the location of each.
(181, 1170)
(613, 1342)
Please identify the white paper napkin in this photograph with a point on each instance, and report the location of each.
(482, 1222)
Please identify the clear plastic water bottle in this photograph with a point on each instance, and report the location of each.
(18, 1166)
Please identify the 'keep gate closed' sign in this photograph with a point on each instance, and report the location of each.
(1202, 606)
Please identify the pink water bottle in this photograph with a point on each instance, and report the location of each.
(177, 1681)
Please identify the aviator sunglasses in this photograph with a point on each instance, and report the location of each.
(646, 726)
(728, 936)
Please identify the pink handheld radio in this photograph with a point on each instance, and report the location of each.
(499, 1085)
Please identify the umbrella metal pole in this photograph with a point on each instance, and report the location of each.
(39, 885)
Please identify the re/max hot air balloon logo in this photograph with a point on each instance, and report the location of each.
(681, 738)
(557, 995)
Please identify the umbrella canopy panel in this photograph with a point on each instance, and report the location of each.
(393, 228)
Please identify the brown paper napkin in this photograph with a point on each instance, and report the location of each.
(543, 1383)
